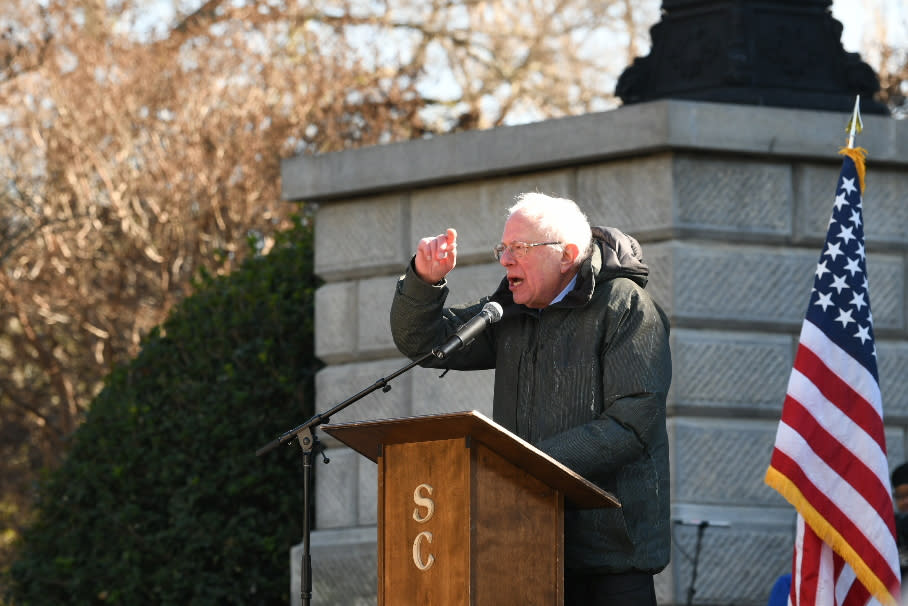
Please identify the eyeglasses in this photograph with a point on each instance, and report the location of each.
(519, 250)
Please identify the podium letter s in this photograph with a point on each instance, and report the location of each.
(423, 501)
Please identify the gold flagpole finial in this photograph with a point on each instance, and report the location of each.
(854, 125)
(857, 154)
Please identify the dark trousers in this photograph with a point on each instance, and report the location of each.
(626, 589)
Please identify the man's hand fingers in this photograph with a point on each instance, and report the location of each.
(447, 242)
(436, 256)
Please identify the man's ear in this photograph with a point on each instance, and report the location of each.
(569, 257)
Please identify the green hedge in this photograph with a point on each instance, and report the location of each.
(161, 499)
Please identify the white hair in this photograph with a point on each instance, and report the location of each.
(559, 219)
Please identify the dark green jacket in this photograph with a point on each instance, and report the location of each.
(584, 380)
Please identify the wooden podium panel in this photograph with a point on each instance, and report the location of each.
(423, 509)
(518, 534)
(468, 514)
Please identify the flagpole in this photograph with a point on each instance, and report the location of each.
(855, 125)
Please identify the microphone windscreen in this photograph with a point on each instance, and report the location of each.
(494, 310)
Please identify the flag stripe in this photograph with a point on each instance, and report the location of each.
(854, 378)
(829, 391)
(820, 576)
(855, 594)
(844, 445)
(835, 454)
(825, 587)
(798, 569)
(842, 463)
(844, 428)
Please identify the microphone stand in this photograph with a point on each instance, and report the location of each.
(701, 525)
(309, 442)
(701, 528)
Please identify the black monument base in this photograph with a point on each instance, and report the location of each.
(785, 53)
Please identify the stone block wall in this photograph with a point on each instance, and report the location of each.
(730, 204)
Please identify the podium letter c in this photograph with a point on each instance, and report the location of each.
(417, 551)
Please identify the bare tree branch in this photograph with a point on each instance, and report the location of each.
(132, 158)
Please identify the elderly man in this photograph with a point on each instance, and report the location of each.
(582, 368)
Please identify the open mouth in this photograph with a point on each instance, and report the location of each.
(514, 282)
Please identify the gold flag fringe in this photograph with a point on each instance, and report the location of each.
(857, 155)
(827, 532)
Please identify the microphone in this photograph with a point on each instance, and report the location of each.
(491, 313)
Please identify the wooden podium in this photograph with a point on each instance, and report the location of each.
(468, 513)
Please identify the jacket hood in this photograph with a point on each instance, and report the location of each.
(614, 255)
(621, 255)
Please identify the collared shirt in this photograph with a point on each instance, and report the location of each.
(566, 290)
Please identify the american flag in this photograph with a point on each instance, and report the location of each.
(829, 459)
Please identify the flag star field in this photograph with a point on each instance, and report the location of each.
(839, 304)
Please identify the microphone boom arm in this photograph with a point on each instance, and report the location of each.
(324, 417)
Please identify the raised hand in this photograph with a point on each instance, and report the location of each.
(435, 257)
